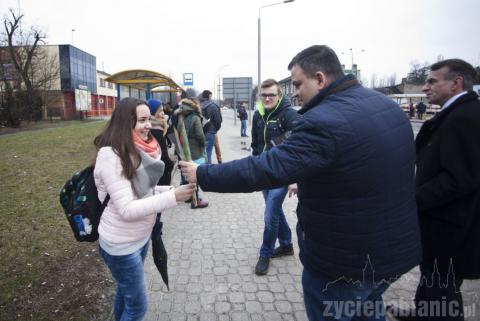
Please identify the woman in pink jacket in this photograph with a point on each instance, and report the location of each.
(127, 168)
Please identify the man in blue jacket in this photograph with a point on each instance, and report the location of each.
(352, 155)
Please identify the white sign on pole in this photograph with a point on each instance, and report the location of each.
(188, 79)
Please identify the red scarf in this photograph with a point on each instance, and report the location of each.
(151, 146)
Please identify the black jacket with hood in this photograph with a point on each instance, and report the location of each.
(269, 128)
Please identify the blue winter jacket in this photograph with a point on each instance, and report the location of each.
(353, 156)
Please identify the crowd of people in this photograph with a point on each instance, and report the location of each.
(368, 191)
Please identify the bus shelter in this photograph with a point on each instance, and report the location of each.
(145, 80)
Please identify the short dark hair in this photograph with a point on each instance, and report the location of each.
(206, 94)
(189, 93)
(318, 58)
(457, 67)
(269, 83)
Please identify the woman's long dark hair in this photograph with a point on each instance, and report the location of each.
(118, 134)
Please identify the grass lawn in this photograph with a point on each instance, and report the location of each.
(45, 273)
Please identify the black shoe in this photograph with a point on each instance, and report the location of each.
(262, 265)
(401, 314)
(283, 251)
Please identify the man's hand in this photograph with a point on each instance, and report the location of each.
(292, 189)
(189, 170)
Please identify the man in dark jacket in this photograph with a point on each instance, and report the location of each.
(213, 122)
(272, 122)
(448, 191)
(421, 109)
(243, 116)
(352, 155)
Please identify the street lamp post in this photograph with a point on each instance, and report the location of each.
(352, 53)
(351, 50)
(218, 76)
(219, 84)
(259, 74)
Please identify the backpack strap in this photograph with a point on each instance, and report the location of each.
(105, 201)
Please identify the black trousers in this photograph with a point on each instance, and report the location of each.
(438, 295)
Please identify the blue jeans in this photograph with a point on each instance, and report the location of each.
(276, 225)
(210, 139)
(243, 128)
(131, 295)
(329, 299)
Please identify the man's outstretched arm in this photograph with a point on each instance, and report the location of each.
(308, 150)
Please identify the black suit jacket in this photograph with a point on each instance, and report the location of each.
(448, 187)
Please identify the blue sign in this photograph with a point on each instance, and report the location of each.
(188, 79)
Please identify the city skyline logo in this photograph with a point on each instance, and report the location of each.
(361, 307)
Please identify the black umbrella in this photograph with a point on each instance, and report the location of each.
(158, 250)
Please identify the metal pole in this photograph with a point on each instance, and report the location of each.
(259, 36)
(219, 84)
(259, 55)
(250, 106)
(218, 89)
(234, 105)
(351, 50)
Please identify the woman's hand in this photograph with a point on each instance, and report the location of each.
(184, 192)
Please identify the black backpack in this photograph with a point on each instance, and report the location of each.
(83, 209)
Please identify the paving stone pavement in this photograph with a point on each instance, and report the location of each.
(212, 253)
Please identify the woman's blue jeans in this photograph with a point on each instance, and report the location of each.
(131, 295)
(243, 128)
(339, 300)
(276, 225)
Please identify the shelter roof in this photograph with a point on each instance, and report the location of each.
(141, 77)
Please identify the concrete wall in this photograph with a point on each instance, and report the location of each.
(104, 88)
(52, 62)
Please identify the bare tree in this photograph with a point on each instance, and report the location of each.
(418, 72)
(383, 82)
(392, 79)
(29, 70)
(10, 112)
(364, 82)
(45, 78)
(373, 80)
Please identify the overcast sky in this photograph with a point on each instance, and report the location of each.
(212, 37)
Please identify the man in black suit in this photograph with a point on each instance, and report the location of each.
(448, 191)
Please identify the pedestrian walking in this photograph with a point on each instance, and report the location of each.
(421, 109)
(243, 116)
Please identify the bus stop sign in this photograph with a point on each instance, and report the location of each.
(188, 79)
